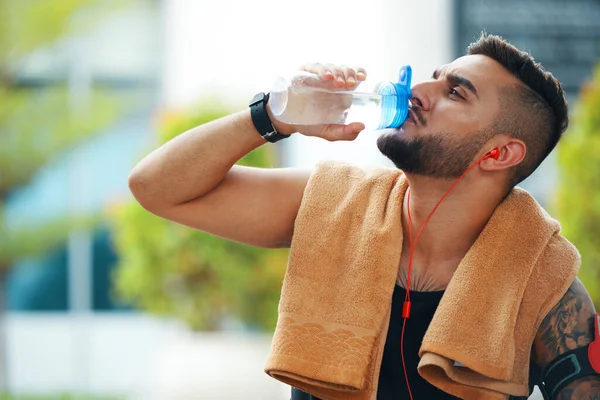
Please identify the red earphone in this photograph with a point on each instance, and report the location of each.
(495, 154)
(492, 154)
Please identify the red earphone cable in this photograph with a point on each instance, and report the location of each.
(413, 245)
(403, 362)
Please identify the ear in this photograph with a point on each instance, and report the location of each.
(512, 153)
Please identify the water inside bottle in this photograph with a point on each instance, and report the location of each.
(309, 105)
(366, 108)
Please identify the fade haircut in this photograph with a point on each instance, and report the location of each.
(535, 111)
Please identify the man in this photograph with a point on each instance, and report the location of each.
(494, 97)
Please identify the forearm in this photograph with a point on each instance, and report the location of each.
(193, 163)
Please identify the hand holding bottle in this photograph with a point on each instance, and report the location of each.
(326, 103)
(332, 102)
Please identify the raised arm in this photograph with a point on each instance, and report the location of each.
(192, 179)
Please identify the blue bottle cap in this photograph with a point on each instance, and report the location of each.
(395, 99)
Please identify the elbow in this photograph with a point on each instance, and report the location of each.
(134, 184)
(141, 192)
(150, 193)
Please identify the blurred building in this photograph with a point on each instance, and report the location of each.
(65, 330)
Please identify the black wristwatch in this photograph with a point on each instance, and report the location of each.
(261, 120)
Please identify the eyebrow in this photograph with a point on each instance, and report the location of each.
(457, 80)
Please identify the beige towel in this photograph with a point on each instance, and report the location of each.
(336, 298)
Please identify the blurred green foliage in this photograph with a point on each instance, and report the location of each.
(578, 199)
(40, 119)
(173, 270)
(37, 120)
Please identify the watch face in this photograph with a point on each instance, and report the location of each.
(258, 97)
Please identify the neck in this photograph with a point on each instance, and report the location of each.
(456, 223)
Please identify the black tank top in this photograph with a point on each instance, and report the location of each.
(392, 383)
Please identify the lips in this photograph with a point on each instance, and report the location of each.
(411, 117)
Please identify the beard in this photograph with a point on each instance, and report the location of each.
(435, 155)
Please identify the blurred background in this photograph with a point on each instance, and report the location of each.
(100, 299)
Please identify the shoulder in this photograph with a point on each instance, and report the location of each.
(348, 170)
(338, 180)
(568, 326)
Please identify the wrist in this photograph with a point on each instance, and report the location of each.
(262, 121)
(254, 139)
(281, 127)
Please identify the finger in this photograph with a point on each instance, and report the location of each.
(326, 73)
(317, 68)
(351, 131)
(361, 73)
(349, 75)
(343, 132)
(310, 67)
(320, 76)
(340, 78)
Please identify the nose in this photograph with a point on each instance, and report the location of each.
(422, 95)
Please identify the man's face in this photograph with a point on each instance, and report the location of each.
(450, 118)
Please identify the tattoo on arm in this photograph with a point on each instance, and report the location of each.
(582, 389)
(569, 325)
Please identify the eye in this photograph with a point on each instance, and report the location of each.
(452, 92)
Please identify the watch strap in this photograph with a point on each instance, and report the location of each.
(261, 120)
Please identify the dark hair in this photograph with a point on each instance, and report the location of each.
(536, 112)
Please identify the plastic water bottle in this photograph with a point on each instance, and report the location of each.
(306, 99)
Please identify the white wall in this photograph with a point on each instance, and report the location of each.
(238, 47)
